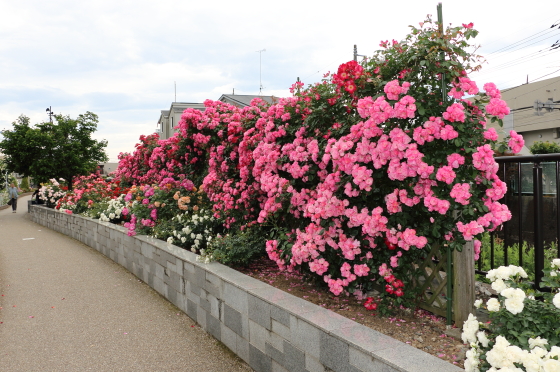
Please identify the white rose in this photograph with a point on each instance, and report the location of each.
(531, 362)
(183, 239)
(193, 250)
(472, 361)
(477, 304)
(554, 352)
(514, 305)
(170, 240)
(470, 327)
(481, 336)
(503, 272)
(551, 365)
(199, 236)
(111, 215)
(556, 300)
(539, 352)
(196, 242)
(556, 262)
(499, 285)
(519, 270)
(493, 304)
(553, 273)
(193, 236)
(497, 356)
(516, 293)
(537, 342)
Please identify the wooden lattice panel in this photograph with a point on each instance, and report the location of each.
(431, 280)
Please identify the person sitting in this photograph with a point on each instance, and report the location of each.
(37, 197)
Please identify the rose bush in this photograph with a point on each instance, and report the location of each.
(353, 178)
(53, 191)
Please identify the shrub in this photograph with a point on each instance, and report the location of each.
(540, 147)
(24, 186)
(238, 249)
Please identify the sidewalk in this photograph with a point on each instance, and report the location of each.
(66, 307)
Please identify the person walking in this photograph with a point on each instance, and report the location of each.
(13, 195)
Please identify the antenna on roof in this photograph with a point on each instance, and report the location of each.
(260, 70)
(175, 83)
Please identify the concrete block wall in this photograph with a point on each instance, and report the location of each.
(271, 330)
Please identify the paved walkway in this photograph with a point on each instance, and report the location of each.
(66, 307)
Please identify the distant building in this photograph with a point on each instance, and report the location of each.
(536, 122)
(106, 168)
(168, 119)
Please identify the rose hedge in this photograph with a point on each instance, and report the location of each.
(357, 176)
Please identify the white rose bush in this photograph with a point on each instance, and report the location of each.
(524, 329)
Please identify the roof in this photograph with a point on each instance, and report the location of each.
(243, 100)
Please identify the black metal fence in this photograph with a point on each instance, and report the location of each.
(532, 197)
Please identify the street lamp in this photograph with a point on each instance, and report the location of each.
(50, 113)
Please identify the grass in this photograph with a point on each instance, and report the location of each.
(528, 256)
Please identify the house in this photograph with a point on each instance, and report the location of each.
(168, 119)
(534, 112)
(106, 168)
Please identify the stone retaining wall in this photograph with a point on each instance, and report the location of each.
(271, 330)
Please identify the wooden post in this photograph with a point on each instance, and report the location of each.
(463, 283)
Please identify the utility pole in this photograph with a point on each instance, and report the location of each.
(356, 55)
(260, 70)
(50, 113)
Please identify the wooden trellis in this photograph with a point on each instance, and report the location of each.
(432, 280)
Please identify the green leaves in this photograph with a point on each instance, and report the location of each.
(63, 149)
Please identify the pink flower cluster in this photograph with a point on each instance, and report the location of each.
(516, 141)
(394, 90)
(464, 85)
(497, 107)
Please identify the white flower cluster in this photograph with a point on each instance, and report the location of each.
(205, 258)
(515, 297)
(194, 231)
(503, 356)
(51, 195)
(506, 273)
(114, 209)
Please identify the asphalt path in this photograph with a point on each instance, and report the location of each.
(66, 307)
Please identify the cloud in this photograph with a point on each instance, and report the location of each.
(122, 59)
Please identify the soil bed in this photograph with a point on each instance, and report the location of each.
(420, 328)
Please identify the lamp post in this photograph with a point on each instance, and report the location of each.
(50, 113)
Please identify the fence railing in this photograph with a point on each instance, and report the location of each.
(532, 197)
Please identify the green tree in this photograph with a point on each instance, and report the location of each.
(47, 150)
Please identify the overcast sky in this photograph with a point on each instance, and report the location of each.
(120, 59)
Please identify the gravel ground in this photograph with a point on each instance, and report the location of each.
(66, 307)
